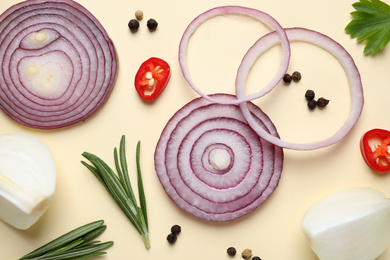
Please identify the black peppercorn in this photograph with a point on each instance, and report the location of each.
(152, 24)
(171, 238)
(312, 104)
(296, 76)
(175, 229)
(287, 78)
(322, 102)
(133, 25)
(231, 251)
(309, 95)
(256, 258)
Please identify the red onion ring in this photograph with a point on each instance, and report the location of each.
(182, 159)
(326, 43)
(58, 64)
(237, 10)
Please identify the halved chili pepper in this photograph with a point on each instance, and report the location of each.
(152, 77)
(375, 149)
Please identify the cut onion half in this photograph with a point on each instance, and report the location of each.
(58, 64)
(236, 10)
(353, 223)
(212, 164)
(326, 43)
(27, 179)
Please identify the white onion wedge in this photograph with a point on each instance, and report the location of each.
(27, 179)
(352, 224)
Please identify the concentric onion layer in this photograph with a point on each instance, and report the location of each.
(236, 10)
(58, 64)
(183, 160)
(324, 42)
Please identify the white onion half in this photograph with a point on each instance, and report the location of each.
(235, 10)
(27, 179)
(328, 44)
(351, 224)
(238, 177)
(58, 64)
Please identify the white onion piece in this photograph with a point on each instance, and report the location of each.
(58, 64)
(235, 10)
(184, 153)
(323, 41)
(27, 179)
(352, 224)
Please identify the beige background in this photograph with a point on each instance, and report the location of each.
(272, 231)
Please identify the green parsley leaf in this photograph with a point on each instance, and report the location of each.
(371, 22)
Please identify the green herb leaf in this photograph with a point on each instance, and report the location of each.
(124, 172)
(371, 23)
(65, 239)
(115, 188)
(79, 252)
(65, 248)
(75, 243)
(89, 255)
(141, 191)
(119, 187)
(94, 233)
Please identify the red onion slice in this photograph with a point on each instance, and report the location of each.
(58, 64)
(236, 10)
(196, 180)
(328, 44)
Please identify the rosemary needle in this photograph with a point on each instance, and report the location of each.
(120, 188)
(76, 244)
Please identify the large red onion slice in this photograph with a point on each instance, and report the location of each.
(212, 164)
(236, 10)
(58, 64)
(328, 44)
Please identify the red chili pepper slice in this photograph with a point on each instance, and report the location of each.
(152, 77)
(375, 149)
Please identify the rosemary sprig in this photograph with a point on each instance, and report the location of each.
(119, 187)
(76, 244)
